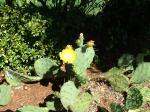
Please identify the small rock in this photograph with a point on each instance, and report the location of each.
(25, 87)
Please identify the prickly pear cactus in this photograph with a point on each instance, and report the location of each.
(29, 108)
(134, 99)
(116, 108)
(84, 59)
(45, 67)
(5, 94)
(68, 94)
(83, 103)
(16, 79)
(142, 73)
(118, 81)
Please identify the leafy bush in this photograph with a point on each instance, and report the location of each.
(23, 38)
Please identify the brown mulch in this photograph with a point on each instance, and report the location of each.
(28, 94)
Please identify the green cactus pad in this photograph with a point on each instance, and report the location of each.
(118, 81)
(142, 73)
(68, 94)
(125, 60)
(45, 67)
(29, 108)
(5, 94)
(145, 91)
(134, 99)
(84, 59)
(51, 105)
(54, 104)
(116, 108)
(16, 79)
(83, 103)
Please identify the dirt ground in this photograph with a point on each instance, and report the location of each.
(28, 94)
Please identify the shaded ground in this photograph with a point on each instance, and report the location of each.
(28, 94)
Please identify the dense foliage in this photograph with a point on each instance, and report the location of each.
(22, 38)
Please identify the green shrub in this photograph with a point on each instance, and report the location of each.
(23, 38)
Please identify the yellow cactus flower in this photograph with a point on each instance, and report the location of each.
(90, 43)
(67, 55)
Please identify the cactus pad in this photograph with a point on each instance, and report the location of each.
(116, 108)
(142, 73)
(68, 94)
(84, 59)
(45, 67)
(134, 99)
(5, 94)
(118, 81)
(29, 108)
(83, 103)
(16, 79)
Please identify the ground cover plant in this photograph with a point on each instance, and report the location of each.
(46, 66)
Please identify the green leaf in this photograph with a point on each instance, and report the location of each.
(30, 108)
(142, 73)
(2, 2)
(49, 3)
(36, 3)
(5, 94)
(77, 2)
(20, 2)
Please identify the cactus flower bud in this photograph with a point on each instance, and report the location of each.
(90, 43)
(81, 36)
(79, 41)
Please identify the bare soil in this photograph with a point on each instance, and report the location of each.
(27, 94)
